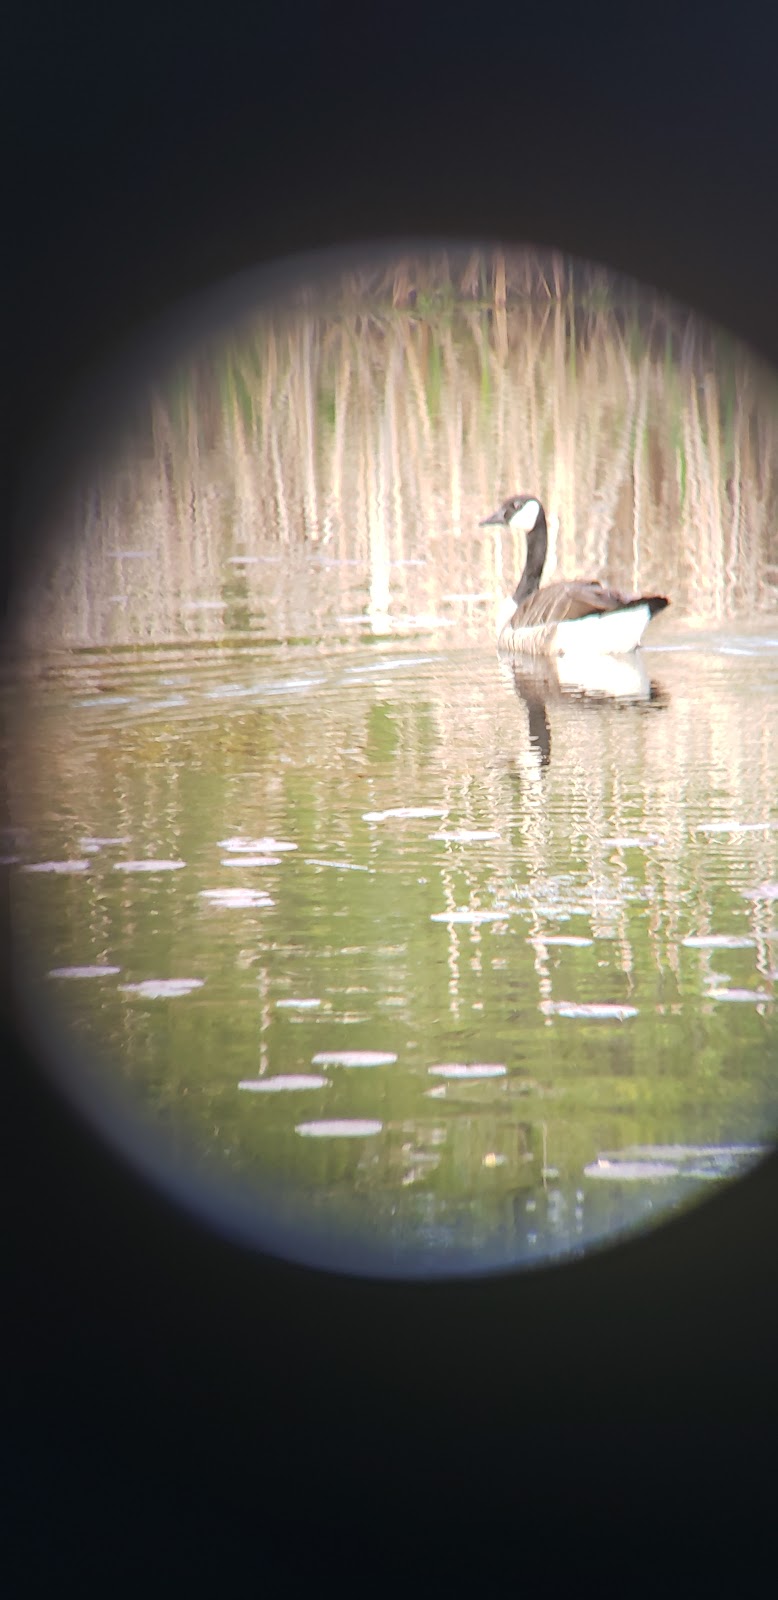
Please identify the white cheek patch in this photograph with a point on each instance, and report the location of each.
(525, 518)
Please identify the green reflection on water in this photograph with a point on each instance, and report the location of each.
(602, 843)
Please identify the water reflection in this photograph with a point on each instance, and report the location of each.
(647, 1163)
(402, 959)
(374, 916)
(593, 682)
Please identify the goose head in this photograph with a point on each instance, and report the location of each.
(522, 513)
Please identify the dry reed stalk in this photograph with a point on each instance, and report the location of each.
(713, 432)
(500, 291)
(337, 457)
(734, 532)
(639, 426)
(401, 286)
(282, 519)
(470, 281)
(417, 384)
(394, 370)
(696, 554)
(308, 373)
(563, 497)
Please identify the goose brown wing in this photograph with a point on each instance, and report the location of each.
(566, 602)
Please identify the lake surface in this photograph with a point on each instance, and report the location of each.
(434, 963)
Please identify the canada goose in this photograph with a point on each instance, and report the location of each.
(564, 618)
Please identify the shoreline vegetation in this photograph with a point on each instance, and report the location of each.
(489, 277)
(496, 279)
(372, 420)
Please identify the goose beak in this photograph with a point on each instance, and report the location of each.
(496, 519)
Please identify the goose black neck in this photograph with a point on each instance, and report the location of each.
(537, 545)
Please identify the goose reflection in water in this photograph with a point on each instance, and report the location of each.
(592, 682)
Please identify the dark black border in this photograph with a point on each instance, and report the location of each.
(175, 1405)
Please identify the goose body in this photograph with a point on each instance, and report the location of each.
(566, 618)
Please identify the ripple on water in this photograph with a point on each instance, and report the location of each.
(645, 1162)
(345, 1128)
(56, 866)
(478, 1069)
(148, 866)
(255, 847)
(464, 835)
(755, 996)
(83, 972)
(636, 841)
(464, 914)
(108, 700)
(718, 941)
(250, 861)
(732, 826)
(354, 1058)
(290, 1081)
(237, 899)
(162, 988)
(404, 813)
(342, 866)
(387, 664)
(586, 1011)
(90, 845)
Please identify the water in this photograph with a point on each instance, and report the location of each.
(473, 933)
(455, 962)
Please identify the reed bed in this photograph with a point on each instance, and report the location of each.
(336, 456)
